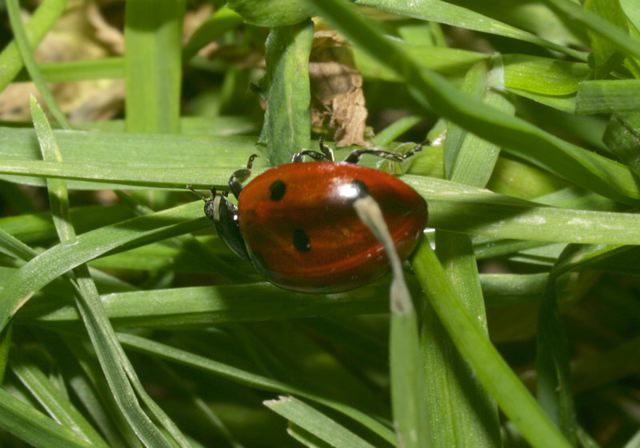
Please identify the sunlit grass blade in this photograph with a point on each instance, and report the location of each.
(153, 64)
(26, 53)
(590, 20)
(220, 22)
(287, 120)
(474, 346)
(454, 15)
(605, 96)
(316, 423)
(518, 137)
(21, 419)
(112, 358)
(41, 22)
(55, 403)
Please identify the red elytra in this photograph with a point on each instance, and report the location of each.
(297, 225)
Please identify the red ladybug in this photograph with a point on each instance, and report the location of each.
(296, 223)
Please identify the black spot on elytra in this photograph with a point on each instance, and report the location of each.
(278, 189)
(361, 187)
(301, 241)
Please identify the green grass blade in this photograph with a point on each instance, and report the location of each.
(22, 420)
(520, 138)
(153, 64)
(5, 346)
(65, 256)
(220, 22)
(454, 15)
(250, 379)
(55, 403)
(112, 358)
(474, 346)
(616, 36)
(287, 121)
(41, 22)
(316, 423)
(26, 53)
(606, 96)
(460, 412)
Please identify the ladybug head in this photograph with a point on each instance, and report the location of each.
(224, 215)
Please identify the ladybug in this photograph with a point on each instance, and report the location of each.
(296, 223)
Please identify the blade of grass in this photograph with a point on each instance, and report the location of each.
(520, 138)
(606, 96)
(316, 423)
(153, 64)
(41, 22)
(287, 120)
(474, 346)
(452, 206)
(220, 22)
(22, 42)
(596, 24)
(31, 426)
(461, 413)
(454, 15)
(250, 379)
(55, 403)
(5, 346)
(114, 363)
(409, 408)
(67, 255)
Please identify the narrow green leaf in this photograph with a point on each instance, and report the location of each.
(544, 76)
(606, 96)
(553, 385)
(41, 22)
(287, 121)
(55, 403)
(272, 13)
(112, 358)
(598, 25)
(26, 53)
(5, 346)
(65, 256)
(520, 138)
(250, 379)
(22, 420)
(454, 15)
(316, 423)
(153, 64)
(621, 137)
(474, 346)
(220, 22)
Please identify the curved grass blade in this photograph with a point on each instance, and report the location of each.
(41, 22)
(113, 361)
(33, 427)
(515, 135)
(26, 53)
(287, 121)
(316, 423)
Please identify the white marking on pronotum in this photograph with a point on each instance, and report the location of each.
(370, 214)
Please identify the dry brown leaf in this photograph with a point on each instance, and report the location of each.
(336, 86)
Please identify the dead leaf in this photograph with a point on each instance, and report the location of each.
(336, 85)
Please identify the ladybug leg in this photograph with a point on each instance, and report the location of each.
(326, 150)
(239, 176)
(325, 153)
(356, 154)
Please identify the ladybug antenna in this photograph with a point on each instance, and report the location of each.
(200, 196)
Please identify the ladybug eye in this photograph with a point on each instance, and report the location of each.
(278, 189)
(301, 241)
